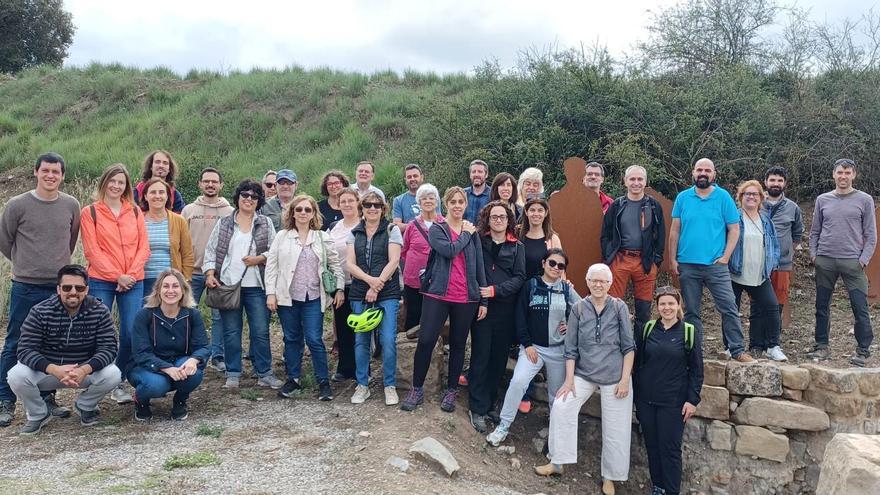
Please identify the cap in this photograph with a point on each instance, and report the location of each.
(285, 174)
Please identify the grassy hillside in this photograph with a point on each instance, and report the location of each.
(309, 121)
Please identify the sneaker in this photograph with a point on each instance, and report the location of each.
(142, 412)
(86, 418)
(7, 411)
(499, 435)
(819, 353)
(326, 393)
(231, 382)
(413, 333)
(775, 353)
(54, 408)
(33, 426)
(415, 397)
(756, 352)
(391, 398)
(270, 381)
(525, 406)
(361, 394)
(744, 357)
(726, 353)
(494, 417)
(291, 387)
(656, 490)
(120, 395)
(462, 381)
(548, 469)
(339, 378)
(448, 402)
(860, 358)
(179, 411)
(478, 421)
(218, 364)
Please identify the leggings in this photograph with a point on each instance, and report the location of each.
(434, 314)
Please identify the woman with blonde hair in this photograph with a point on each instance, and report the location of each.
(530, 185)
(168, 232)
(295, 288)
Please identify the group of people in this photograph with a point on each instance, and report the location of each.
(492, 266)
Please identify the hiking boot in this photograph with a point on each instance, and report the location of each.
(391, 398)
(291, 387)
(218, 364)
(499, 435)
(7, 411)
(361, 394)
(413, 333)
(744, 357)
(860, 358)
(525, 406)
(448, 402)
(494, 417)
(86, 418)
(142, 411)
(54, 408)
(756, 352)
(478, 421)
(270, 381)
(415, 397)
(775, 353)
(339, 378)
(819, 353)
(232, 382)
(548, 469)
(325, 392)
(179, 411)
(120, 395)
(33, 426)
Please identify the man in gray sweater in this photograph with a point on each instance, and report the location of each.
(38, 233)
(789, 224)
(842, 240)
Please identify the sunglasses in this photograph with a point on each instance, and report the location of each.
(303, 209)
(249, 195)
(666, 290)
(270, 185)
(70, 287)
(368, 204)
(556, 264)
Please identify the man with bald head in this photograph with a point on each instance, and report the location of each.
(703, 234)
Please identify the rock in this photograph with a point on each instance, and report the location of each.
(757, 379)
(869, 382)
(833, 380)
(538, 445)
(776, 429)
(714, 403)
(401, 464)
(539, 392)
(364, 434)
(792, 394)
(544, 432)
(593, 407)
(760, 442)
(719, 435)
(507, 449)
(795, 377)
(733, 406)
(851, 465)
(515, 464)
(834, 404)
(714, 373)
(761, 411)
(693, 430)
(431, 449)
(435, 381)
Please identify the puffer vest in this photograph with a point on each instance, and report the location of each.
(375, 264)
(227, 228)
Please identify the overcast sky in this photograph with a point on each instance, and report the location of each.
(438, 35)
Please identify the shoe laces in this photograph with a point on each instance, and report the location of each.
(450, 397)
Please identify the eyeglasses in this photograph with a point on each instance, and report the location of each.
(286, 183)
(334, 183)
(556, 264)
(497, 218)
(270, 185)
(303, 209)
(249, 195)
(598, 282)
(69, 287)
(369, 204)
(751, 194)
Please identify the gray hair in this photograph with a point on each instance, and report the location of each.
(636, 168)
(599, 268)
(427, 190)
(531, 173)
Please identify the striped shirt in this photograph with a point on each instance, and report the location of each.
(160, 248)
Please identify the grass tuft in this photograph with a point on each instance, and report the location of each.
(206, 430)
(193, 460)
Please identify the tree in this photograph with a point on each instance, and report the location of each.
(33, 32)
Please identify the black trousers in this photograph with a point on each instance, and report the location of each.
(412, 299)
(765, 323)
(344, 338)
(490, 345)
(434, 314)
(662, 429)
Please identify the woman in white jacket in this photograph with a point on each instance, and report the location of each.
(295, 289)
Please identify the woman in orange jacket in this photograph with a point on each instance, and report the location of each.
(116, 246)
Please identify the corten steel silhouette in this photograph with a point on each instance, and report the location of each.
(872, 271)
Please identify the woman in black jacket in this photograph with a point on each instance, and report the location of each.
(504, 260)
(170, 346)
(668, 377)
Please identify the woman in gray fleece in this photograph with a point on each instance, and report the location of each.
(599, 352)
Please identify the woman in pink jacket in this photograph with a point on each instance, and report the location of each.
(414, 254)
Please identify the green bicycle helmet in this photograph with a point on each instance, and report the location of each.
(366, 321)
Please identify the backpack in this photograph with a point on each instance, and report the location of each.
(689, 331)
(533, 288)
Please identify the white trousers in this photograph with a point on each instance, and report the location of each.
(525, 370)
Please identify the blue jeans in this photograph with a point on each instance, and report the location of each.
(198, 287)
(716, 278)
(22, 297)
(388, 337)
(151, 384)
(253, 301)
(304, 319)
(128, 303)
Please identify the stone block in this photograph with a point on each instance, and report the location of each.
(833, 380)
(835, 404)
(795, 377)
(714, 403)
(431, 449)
(869, 382)
(761, 411)
(754, 379)
(851, 465)
(714, 373)
(791, 394)
(761, 442)
(720, 435)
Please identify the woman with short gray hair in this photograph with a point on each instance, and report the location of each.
(414, 255)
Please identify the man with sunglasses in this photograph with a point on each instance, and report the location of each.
(269, 184)
(842, 240)
(285, 184)
(67, 341)
(38, 233)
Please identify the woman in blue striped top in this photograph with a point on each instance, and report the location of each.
(168, 232)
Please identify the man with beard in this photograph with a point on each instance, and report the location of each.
(595, 176)
(405, 208)
(703, 235)
(477, 192)
(788, 221)
(842, 240)
(201, 216)
(160, 164)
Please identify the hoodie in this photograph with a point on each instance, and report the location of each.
(201, 218)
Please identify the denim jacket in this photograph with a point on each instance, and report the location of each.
(771, 247)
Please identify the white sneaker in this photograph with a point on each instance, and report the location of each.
(775, 353)
(499, 435)
(120, 395)
(726, 353)
(231, 382)
(270, 381)
(361, 393)
(391, 398)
